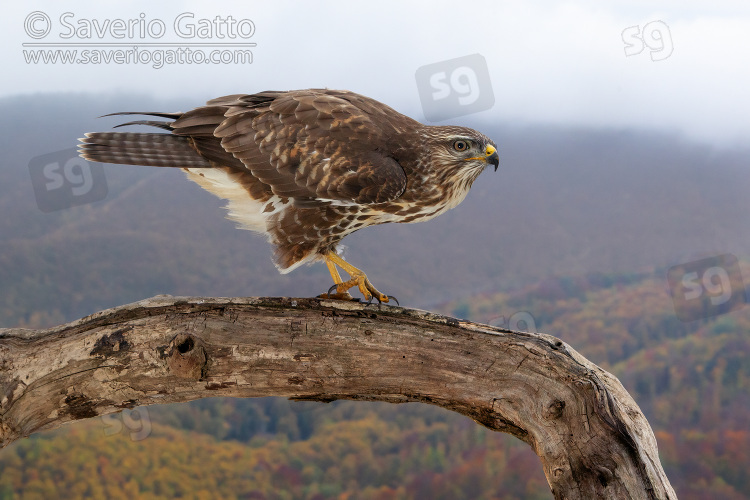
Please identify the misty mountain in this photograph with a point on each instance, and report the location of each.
(565, 201)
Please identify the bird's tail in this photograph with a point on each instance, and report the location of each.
(135, 148)
(138, 148)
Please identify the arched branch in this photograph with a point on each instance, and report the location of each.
(592, 438)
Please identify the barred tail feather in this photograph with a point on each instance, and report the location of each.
(134, 148)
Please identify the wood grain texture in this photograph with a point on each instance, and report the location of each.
(592, 438)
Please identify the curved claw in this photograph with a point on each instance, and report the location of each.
(330, 290)
(389, 297)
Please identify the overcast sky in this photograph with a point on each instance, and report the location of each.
(546, 62)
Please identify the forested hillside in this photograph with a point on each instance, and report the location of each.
(692, 381)
(574, 233)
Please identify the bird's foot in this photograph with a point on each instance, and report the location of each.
(365, 288)
(357, 278)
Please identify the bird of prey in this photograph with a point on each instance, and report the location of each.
(308, 167)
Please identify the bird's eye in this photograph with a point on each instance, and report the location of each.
(460, 146)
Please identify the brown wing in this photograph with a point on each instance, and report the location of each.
(306, 145)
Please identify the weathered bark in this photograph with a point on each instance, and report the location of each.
(592, 438)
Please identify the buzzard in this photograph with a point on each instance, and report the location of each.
(308, 167)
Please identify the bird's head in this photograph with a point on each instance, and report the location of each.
(462, 149)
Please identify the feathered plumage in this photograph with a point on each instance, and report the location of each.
(308, 167)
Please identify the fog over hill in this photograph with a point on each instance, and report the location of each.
(565, 201)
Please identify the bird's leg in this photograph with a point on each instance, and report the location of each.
(334, 272)
(338, 281)
(356, 278)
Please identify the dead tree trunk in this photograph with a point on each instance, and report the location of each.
(592, 438)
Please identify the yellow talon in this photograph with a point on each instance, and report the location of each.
(356, 278)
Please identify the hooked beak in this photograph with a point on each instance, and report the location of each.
(491, 156)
